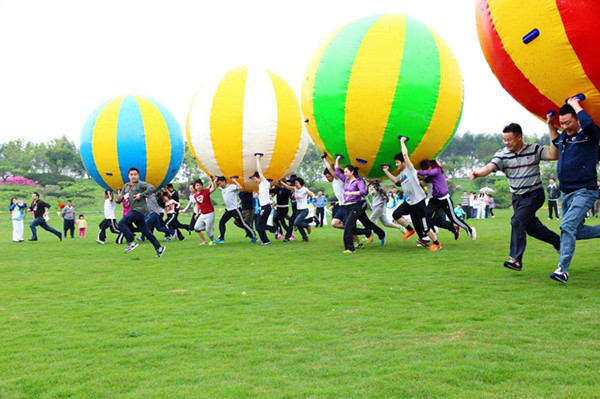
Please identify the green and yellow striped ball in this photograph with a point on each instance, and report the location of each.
(375, 79)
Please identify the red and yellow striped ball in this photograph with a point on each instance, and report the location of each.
(376, 78)
(543, 51)
(247, 111)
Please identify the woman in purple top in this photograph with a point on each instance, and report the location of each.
(432, 172)
(355, 191)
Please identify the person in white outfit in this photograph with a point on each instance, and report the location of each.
(17, 212)
(379, 204)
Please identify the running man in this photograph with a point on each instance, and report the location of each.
(232, 209)
(110, 219)
(521, 163)
(40, 213)
(577, 148)
(136, 192)
(264, 202)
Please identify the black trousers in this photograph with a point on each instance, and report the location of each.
(418, 216)
(262, 225)
(281, 219)
(553, 205)
(524, 222)
(320, 216)
(173, 223)
(237, 215)
(126, 227)
(354, 212)
(108, 224)
(437, 208)
(68, 225)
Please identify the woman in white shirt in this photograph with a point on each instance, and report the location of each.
(301, 193)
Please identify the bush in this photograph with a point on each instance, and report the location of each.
(45, 179)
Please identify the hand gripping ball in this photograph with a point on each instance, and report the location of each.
(128, 132)
(543, 51)
(246, 111)
(375, 79)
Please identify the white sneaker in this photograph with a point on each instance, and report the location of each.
(473, 233)
(133, 245)
(100, 241)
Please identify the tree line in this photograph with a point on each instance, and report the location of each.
(61, 157)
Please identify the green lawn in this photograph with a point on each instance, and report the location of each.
(297, 320)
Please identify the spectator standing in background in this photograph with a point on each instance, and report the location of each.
(320, 204)
(68, 215)
(17, 212)
(465, 204)
(553, 194)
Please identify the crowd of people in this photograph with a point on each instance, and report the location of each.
(409, 209)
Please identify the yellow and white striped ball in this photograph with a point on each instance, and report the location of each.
(131, 132)
(249, 110)
(375, 79)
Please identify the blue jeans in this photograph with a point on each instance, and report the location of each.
(574, 207)
(153, 222)
(301, 223)
(42, 223)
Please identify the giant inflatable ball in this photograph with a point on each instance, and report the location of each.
(246, 111)
(543, 51)
(129, 132)
(375, 79)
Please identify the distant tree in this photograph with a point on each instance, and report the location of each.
(62, 156)
(16, 158)
(189, 169)
(311, 166)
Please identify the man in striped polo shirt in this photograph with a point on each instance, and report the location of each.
(521, 163)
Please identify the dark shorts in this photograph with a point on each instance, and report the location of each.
(340, 212)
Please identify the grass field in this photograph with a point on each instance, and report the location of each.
(297, 320)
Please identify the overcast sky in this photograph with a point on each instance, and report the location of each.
(61, 59)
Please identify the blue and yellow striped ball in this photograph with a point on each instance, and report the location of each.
(127, 132)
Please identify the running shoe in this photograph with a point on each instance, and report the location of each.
(408, 234)
(160, 251)
(219, 241)
(560, 276)
(435, 247)
(131, 246)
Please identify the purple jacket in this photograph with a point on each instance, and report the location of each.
(436, 177)
(357, 184)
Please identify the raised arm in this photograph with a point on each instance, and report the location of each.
(552, 153)
(211, 185)
(405, 152)
(237, 183)
(258, 167)
(328, 166)
(285, 185)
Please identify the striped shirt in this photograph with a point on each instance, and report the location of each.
(522, 169)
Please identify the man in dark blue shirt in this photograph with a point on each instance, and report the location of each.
(40, 211)
(577, 158)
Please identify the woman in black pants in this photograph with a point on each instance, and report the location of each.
(355, 191)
